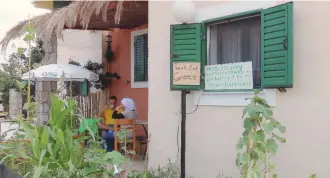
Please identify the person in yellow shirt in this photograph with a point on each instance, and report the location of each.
(108, 120)
(108, 111)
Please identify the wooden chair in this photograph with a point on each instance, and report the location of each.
(130, 124)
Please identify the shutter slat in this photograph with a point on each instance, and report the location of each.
(275, 34)
(275, 28)
(275, 74)
(275, 9)
(275, 67)
(186, 52)
(184, 36)
(185, 47)
(276, 47)
(274, 41)
(186, 31)
(275, 54)
(277, 60)
(277, 21)
(185, 42)
(274, 15)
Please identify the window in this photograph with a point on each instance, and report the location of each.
(263, 36)
(141, 58)
(139, 62)
(236, 41)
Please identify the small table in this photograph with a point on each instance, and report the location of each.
(143, 123)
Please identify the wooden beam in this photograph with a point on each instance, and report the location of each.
(105, 27)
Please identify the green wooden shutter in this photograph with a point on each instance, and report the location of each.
(185, 47)
(84, 88)
(277, 46)
(139, 59)
(146, 57)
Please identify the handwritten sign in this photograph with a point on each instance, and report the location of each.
(186, 73)
(229, 76)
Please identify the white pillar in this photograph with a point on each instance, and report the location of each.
(15, 103)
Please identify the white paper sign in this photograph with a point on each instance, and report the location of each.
(229, 76)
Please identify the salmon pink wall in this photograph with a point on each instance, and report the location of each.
(121, 46)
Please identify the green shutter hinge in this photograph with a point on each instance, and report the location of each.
(202, 36)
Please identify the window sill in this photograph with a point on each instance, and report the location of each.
(139, 84)
(204, 98)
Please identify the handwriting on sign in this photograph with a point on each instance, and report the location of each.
(229, 76)
(186, 73)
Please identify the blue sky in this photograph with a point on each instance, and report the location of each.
(11, 13)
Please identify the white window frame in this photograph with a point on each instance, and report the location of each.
(231, 98)
(142, 84)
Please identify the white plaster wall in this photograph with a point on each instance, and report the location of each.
(80, 45)
(213, 131)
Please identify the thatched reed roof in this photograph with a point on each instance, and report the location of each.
(88, 15)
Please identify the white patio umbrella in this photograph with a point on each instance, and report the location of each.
(55, 72)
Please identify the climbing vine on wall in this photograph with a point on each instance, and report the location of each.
(259, 141)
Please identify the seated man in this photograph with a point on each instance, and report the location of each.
(108, 121)
(108, 111)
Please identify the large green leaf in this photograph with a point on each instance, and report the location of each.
(42, 154)
(29, 28)
(68, 139)
(28, 129)
(29, 37)
(115, 157)
(252, 110)
(37, 171)
(259, 136)
(272, 145)
(268, 128)
(248, 125)
(44, 138)
(92, 168)
(60, 136)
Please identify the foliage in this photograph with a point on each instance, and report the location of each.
(170, 170)
(73, 62)
(104, 78)
(11, 72)
(51, 151)
(259, 140)
(313, 176)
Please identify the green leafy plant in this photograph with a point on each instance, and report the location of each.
(50, 150)
(20, 62)
(73, 62)
(313, 176)
(171, 170)
(259, 141)
(104, 78)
